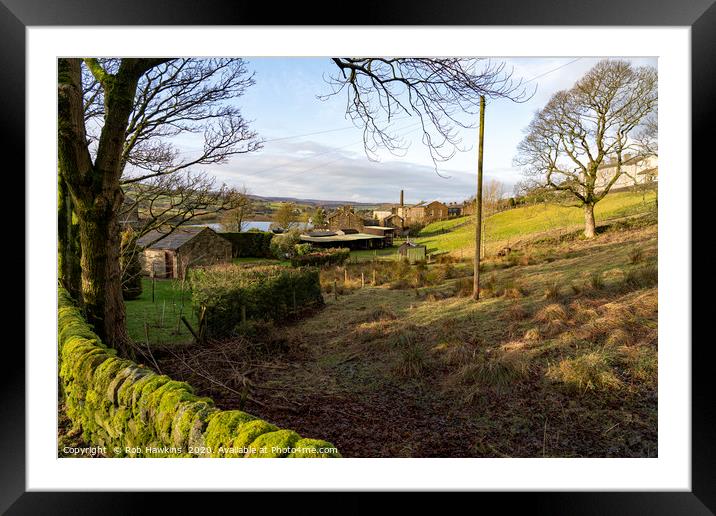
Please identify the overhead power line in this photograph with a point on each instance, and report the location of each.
(553, 70)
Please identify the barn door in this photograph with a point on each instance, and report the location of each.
(169, 264)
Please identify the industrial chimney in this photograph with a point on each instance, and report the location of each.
(401, 198)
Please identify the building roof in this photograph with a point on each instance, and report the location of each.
(339, 238)
(321, 233)
(649, 171)
(173, 240)
(627, 160)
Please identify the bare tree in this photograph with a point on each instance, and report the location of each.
(234, 218)
(647, 138)
(580, 128)
(93, 184)
(443, 94)
(286, 216)
(492, 195)
(116, 127)
(167, 202)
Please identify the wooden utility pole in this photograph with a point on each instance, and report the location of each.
(478, 203)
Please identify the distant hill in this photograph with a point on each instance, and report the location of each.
(313, 202)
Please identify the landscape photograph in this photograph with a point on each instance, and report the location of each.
(346, 257)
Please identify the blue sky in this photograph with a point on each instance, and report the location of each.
(283, 104)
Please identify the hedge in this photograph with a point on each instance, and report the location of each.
(253, 244)
(268, 292)
(331, 256)
(132, 411)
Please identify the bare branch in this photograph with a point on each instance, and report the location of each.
(444, 94)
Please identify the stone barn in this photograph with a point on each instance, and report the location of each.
(345, 218)
(169, 255)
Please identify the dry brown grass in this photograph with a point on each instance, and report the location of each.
(590, 371)
(533, 334)
(496, 373)
(553, 291)
(515, 312)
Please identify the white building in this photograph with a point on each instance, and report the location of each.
(635, 170)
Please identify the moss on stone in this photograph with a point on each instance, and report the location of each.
(250, 431)
(184, 418)
(121, 405)
(221, 430)
(309, 448)
(273, 445)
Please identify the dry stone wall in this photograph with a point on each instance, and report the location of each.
(133, 412)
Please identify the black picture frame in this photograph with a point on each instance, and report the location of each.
(700, 15)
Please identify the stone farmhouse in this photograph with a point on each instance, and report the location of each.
(345, 218)
(636, 170)
(403, 215)
(174, 253)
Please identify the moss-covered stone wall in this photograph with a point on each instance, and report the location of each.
(133, 412)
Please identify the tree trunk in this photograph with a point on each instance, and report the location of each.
(68, 243)
(101, 274)
(589, 225)
(95, 189)
(478, 204)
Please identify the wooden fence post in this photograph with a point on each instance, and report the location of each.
(362, 279)
(345, 275)
(335, 288)
(374, 282)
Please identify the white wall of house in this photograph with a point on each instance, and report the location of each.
(631, 174)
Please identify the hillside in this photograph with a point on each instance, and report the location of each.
(559, 358)
(509, 227)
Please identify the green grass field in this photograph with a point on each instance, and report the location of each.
(162, 317)
(517, 223)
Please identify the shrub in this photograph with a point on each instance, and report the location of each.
(253, 243)
(414, 229)
(266, 292)
(284, 245)
(303, 249)
(332, 256)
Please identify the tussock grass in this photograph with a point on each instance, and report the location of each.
(412, 362)
(636, 255)
(618, 337)
(379, 313)
(455, 353)
(596, 281)
(552, 312)
(533, 334)
(553, 291)
(514, 312)
(587, 372)
(642, 277)
(497, 373)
